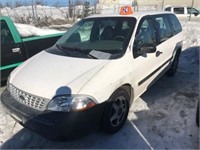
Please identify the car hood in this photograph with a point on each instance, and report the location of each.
(47, 75)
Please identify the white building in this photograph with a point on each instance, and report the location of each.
(110, 6)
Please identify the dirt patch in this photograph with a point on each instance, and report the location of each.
(187, 98)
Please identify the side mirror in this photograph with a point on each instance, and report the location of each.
(150, 48)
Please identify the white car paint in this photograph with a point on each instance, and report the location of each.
(46, 73)
(58, 71)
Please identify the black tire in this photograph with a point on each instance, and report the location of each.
(116, 111)
(172, 70)
(197, 115)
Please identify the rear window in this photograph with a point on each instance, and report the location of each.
(176, 24)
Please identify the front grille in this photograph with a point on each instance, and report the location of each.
(28, 99)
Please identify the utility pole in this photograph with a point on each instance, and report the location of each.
(163, 2)
(33, 10)
(70, 9)
(190, 10)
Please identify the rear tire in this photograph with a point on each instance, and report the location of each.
(172, 70)
(116, 112)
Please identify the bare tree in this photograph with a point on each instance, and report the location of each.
(39, 2)
(78, 2)
(57, 4)
(86, 10)
(18, 3)
(1, 5)
(70, 9)
(8, 4)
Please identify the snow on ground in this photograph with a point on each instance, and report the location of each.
(191, 34)
(61, 27)
(28, 30)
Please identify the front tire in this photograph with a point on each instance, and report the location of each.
(116, 112)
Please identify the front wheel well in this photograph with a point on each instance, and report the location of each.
(116, 110)
(178, 52)
(130, 90)
(174, 63)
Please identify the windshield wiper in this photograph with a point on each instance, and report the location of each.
(83, 51)
(60, 48)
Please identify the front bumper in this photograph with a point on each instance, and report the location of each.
(52, 124)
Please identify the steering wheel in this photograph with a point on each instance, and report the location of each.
(119, 38)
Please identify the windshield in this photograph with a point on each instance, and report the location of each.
(97, 38)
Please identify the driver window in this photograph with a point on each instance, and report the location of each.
(146, 35)
(6, 37)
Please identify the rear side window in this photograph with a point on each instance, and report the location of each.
(176, 24)
(164, 28)
(179, 10)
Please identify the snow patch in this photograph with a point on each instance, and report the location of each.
(28, 30)
(191, 32)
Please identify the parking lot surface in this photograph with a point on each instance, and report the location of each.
(162, 118)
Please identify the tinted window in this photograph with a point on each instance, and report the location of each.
(101, 38)
(164, 28)
(146, 35)
(179, 10)
(176, 24)
(6, 37)
(146, 32)
(168, 9)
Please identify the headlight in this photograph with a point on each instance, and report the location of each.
(71, 103)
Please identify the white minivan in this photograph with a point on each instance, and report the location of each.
(90, 77)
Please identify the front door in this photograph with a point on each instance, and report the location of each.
(146, 66)
(12, 54)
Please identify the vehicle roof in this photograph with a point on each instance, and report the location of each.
(177, 6)
(135, 14)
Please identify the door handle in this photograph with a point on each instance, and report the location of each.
(16, 50)
(158, 53)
